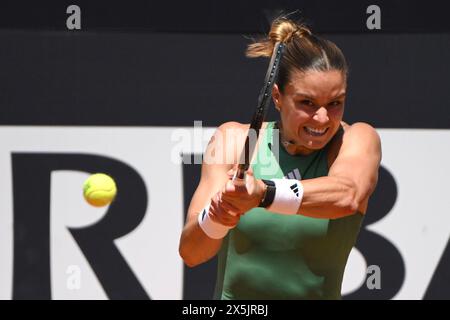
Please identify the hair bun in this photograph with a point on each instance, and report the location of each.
(283, 30)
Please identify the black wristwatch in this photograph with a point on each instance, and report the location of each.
(269, 195)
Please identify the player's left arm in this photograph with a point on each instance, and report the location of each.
(351, 178)
(344, 191)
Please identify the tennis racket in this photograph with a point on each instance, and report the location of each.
(260, 113)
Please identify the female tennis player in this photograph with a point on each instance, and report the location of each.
(286, 233)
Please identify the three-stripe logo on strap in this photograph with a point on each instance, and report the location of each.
(294, 189)
(294, 174)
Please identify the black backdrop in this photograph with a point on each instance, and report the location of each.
(92, 78)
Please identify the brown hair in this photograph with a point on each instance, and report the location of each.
(303, 50)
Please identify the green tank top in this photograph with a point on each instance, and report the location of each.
(275, 256)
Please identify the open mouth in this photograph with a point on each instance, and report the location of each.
(315, 132)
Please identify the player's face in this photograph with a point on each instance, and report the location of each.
(311, 108)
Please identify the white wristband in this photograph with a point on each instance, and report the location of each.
(212, 229)
(288, 196)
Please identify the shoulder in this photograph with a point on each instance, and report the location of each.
(232, 126)
(236, 129)
(361, 140)
(356, 138)
(230, 133)
(225, 143)
(361, 132)
(229, 139)
(358, 126)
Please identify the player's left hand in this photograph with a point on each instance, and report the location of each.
(243, 195)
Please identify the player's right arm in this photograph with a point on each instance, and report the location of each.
(195, 246)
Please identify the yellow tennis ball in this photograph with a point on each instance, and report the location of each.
(99, 190)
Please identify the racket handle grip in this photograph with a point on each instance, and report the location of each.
(240, 174)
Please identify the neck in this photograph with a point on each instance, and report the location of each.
(290, 145)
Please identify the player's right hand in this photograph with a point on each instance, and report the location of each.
(222, 212)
